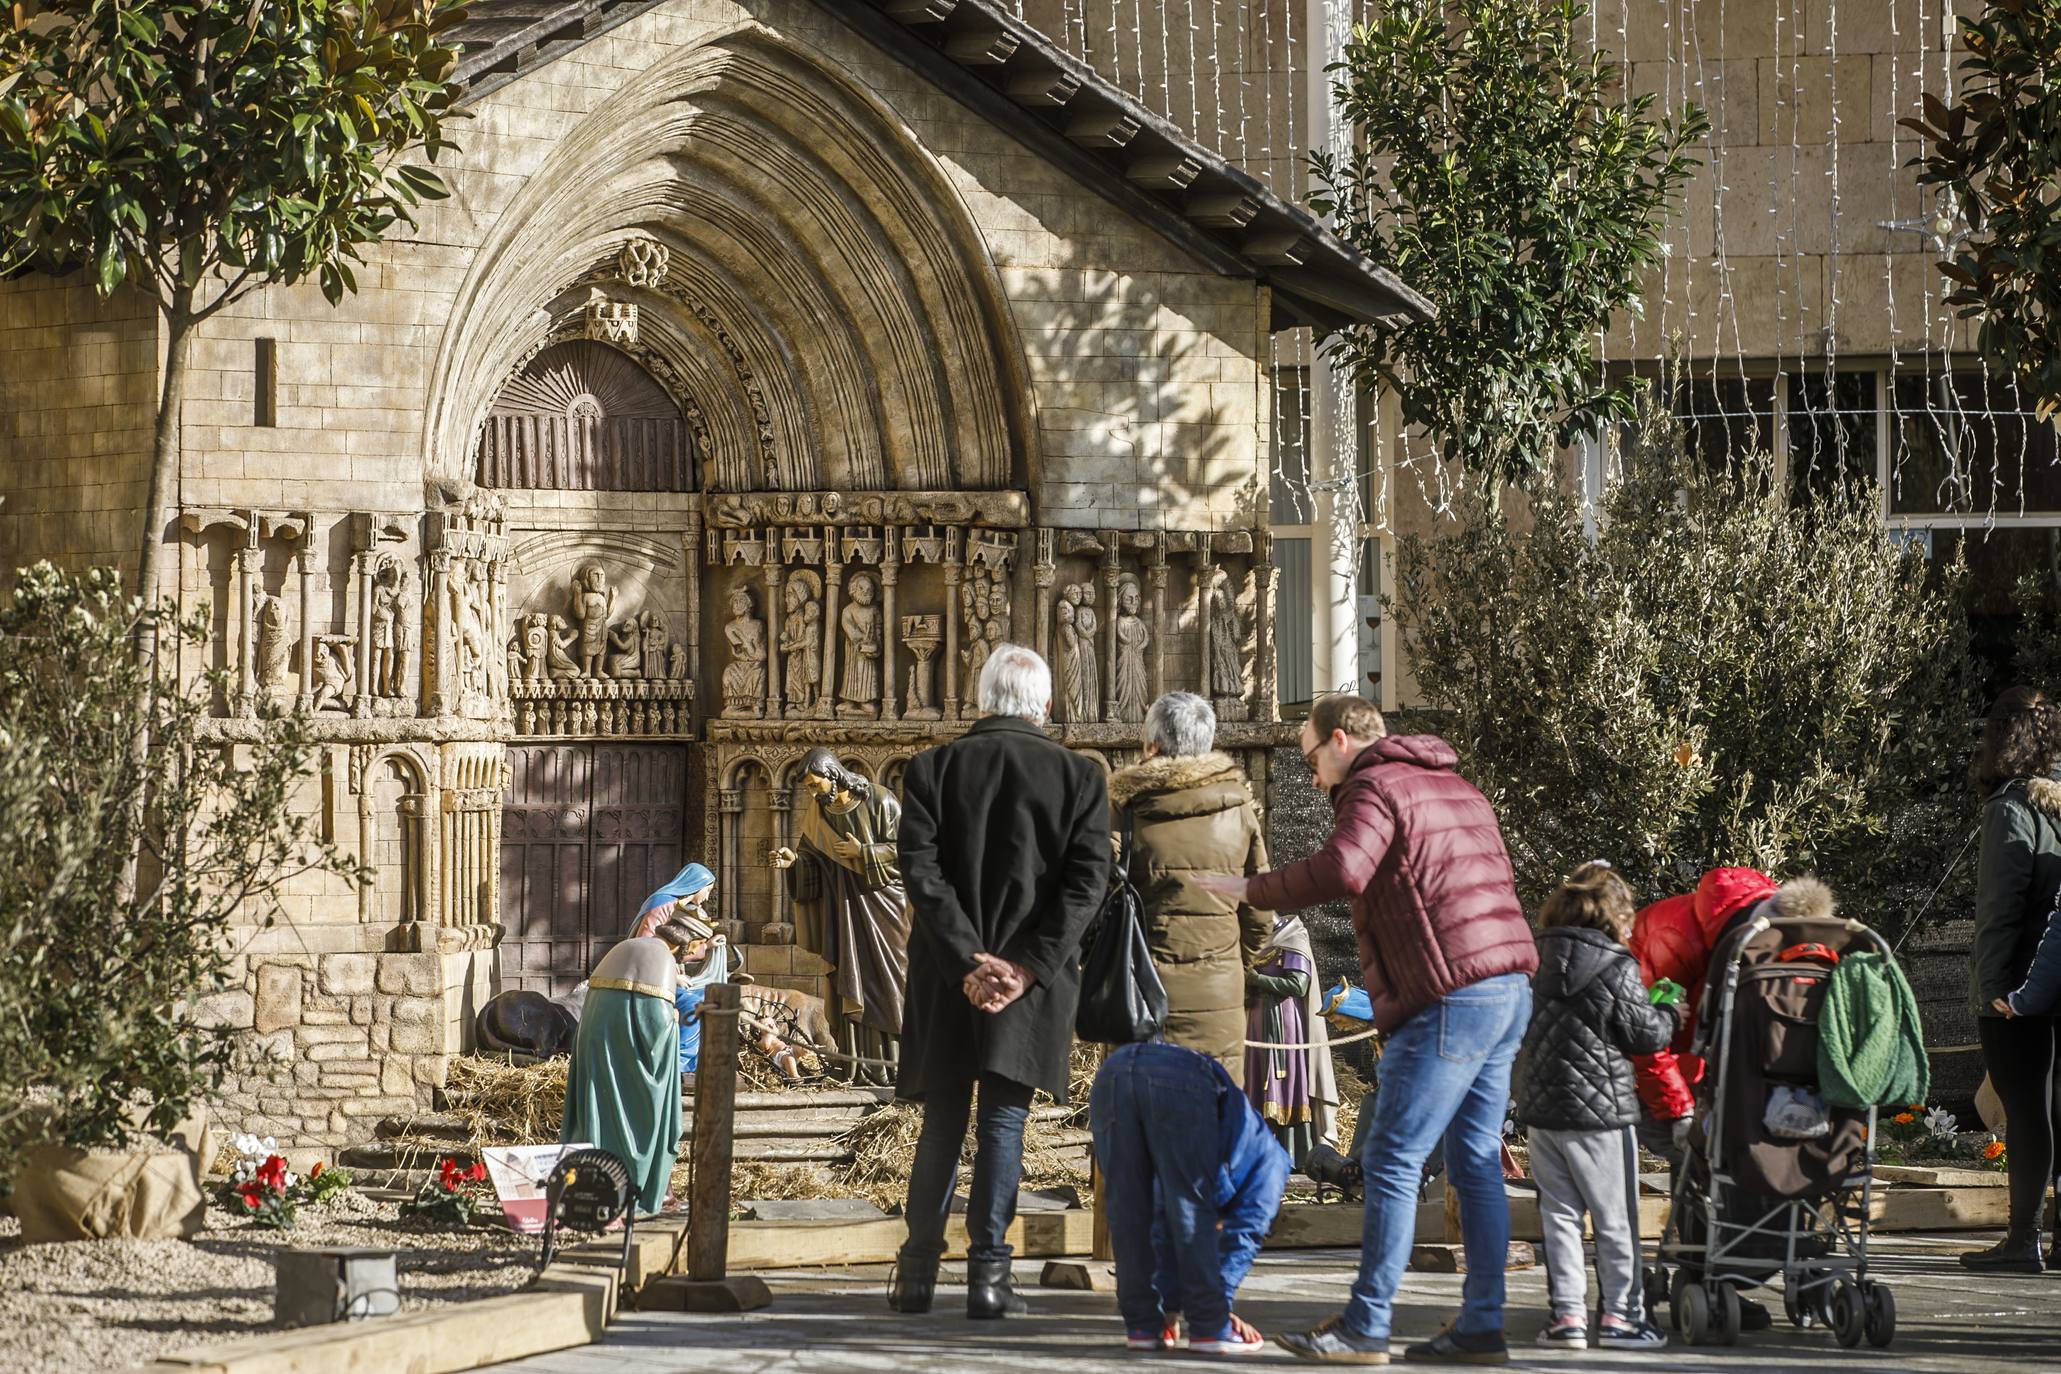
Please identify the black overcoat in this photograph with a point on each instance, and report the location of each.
(1004, 850)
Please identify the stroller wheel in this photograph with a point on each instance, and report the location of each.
(1725, 1313)
(1879, 1314)
(1677, 1287)
(1849, 1316)
(1693, 1315)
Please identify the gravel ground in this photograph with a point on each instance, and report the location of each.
(89, 1307)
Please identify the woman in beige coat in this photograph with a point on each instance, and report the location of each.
(1191, 813)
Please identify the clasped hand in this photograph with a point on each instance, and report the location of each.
(995, 982)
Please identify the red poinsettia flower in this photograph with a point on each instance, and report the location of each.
(249, 1196)
(477, 1173)
(272, 1173)
(448, 1174)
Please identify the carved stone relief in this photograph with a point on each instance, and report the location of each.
(801, 640)
(466, 603)
(744, 681)
(610, 322)
(1130, 690)
(859, 692)
(1079, 666)
(643, 262)
(589, 670)
(270, 670)
(921, 634)
(1227, 685)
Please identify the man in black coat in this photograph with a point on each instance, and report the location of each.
(1004, 851)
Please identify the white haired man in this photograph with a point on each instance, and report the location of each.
(1004, 850)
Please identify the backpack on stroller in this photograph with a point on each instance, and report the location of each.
(1776, 1186)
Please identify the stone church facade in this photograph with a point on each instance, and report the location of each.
(771, 362)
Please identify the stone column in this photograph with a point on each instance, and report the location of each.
(304, 566)
(954, 569)
(1155, 575)
(1266, 578)
(247, 576)
(780, 801)
(890, 627)
(1112, 575)
(833, 588)
(1205, 580)
(690, 573)
(730, 803)
(1043, 574)
(776, 583)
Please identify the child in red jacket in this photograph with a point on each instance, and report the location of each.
(1672, 939)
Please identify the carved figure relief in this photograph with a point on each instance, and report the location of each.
(593, 605)
(1128, 685)
(389, 636)
(744, 681)
(334, 655)
(921, 635)
(611, 322)
(469, 622)
(270, 666)
(1226, 640)
(859, 692)
(643, 262)
(801, 641)
(1081, 679)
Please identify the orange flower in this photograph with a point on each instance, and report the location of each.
(1903, 1118)
(1993, 1150)
(316, 1172)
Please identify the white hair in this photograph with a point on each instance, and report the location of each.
(1181, 724)
(1015, 682)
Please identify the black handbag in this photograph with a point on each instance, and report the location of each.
(1122, 999)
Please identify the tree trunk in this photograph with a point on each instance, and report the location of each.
(157, 513)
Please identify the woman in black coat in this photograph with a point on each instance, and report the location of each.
(2017, 880)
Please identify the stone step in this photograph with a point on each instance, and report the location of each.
(788, 1101)
(391, 1164)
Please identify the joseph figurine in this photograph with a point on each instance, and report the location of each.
(849, 906)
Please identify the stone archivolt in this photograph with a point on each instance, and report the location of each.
(796, 259)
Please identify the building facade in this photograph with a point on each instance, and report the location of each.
(769, 364)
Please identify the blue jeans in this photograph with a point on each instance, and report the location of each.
(1444, 1072)
(997, 1167)
(1153, 1112)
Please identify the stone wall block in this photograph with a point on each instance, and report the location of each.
(330, 1035)
(348, 974)
(278, 997)
(361, 1011)
(376, 1106)
(234, 1009)
(431, 1070)
(417, 975)
(329, 1016)
(322, 1054)
(417, 1026)
(397, 1077)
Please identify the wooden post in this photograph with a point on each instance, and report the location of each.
(708, 1286)
(715, 1110)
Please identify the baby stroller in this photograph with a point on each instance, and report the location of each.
(1753, 1202)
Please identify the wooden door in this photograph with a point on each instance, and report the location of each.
(587, 831)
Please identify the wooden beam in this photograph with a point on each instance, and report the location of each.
(715, 1099)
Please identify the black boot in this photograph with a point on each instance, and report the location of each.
(989, 1292)
(912, 1285)
(2012, 1255)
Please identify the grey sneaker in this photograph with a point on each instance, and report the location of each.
(1456, 1347)
(1615, 1333)
(1331, 1343)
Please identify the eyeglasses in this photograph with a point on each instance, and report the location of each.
(1309, 755)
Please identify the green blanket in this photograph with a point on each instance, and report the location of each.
(1871, 1050)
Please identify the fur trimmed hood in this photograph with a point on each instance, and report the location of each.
(1164, 773)
(2044, 795)
(1805, 899)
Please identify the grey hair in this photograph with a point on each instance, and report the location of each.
(1015, 682)
(1181, 724)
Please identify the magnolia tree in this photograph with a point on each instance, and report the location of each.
(197, 150)
(1997, 151)
(1499, 169)
(107, 1027)
(1714, 678)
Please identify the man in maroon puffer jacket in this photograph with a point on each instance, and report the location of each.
(1446, 956)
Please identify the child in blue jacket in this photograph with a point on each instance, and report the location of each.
(1192, 1178)
(2040, 993)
